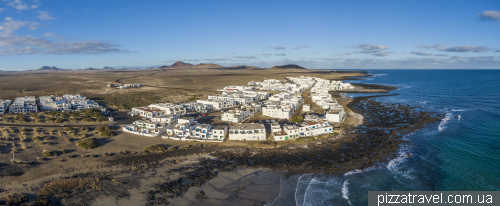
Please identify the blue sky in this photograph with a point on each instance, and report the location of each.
(314, 34)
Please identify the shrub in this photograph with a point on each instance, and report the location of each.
(49, 119)
(64, 151)
(297, 118)
(100, 119)
(59, 120)
(89, 143)
(64, 115)
(84, 129)
(23, 129)
(68, 129)
(43, 143)
(37, 138)
(171, 148)
(88, 119)
(49, 153)
(155, 148)
(312, 139)
(69, 139)
(107, 134)
(102, 128)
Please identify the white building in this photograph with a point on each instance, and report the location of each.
(236, 115)
(24, 105)
(4, 105)
(146, 128)
(306, 107)
(335, 115)
(275, 127)
(219, 132)
(277, 112)
(314, 128)
(247, 132)
(169, 109)
(80, 102)
(216, 104)
(147, 112)
(54, 103)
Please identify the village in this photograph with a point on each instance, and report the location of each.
(279, 104)
(29, 104)
(276, 100)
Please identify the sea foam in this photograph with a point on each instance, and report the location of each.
(444, 121)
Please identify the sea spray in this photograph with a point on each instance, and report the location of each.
(444, 121)
(345, 192)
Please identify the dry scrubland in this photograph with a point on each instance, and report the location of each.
(160, 85)
(55, 152)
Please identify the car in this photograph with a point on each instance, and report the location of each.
(273, 121)
(62, 125)
(260, 121)
(267, 121)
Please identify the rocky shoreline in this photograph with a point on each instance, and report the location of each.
(174, 172)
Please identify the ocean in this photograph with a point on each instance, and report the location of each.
(461, 153)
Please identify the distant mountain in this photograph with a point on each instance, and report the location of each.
(288, 66)
(52, 68)
(90, 68)
(108, 68)
(182, 65)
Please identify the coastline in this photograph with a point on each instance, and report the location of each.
(227, 169)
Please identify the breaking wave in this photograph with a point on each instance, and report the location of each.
(345, 192)
(444, 121)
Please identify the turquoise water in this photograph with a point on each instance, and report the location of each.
(461, 153)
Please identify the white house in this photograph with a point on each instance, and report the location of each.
(4, 105)
(275, 127)
(24, 105)
(292, 131)
(335, 115)
(216, 104)
(146, 128)
(168, 108)
(247, 132)
(280, 136)
(306, 107)
(314, 128)
(147, 112)
(277, 112)
(219, 132)
(236, 115)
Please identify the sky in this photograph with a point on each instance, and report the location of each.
(419, 34)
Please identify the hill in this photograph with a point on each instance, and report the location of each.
(90, 68)
(288, 66)
(52, 68)
(182, 65)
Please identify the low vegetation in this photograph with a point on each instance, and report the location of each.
(49, 153)
(107, 134)
(155, 148)
(89, 143)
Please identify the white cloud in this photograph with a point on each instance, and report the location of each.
(421, 53)
(17, 4)
(300, 47)
(464, 48)
(281, 54)
(56, 36)
(12, 44)
(374, 50)
(345, 53)
(2, 9)
(279, 47)
(44, 15)
(33, 25)
(489, 16)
